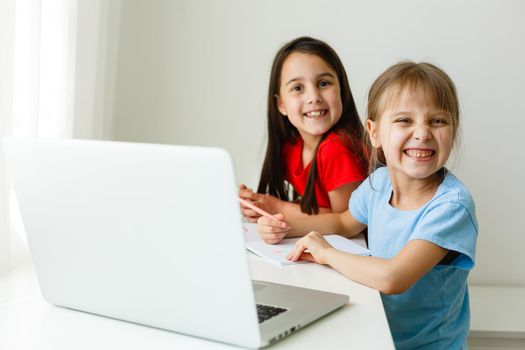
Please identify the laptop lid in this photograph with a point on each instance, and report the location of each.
(138, 232)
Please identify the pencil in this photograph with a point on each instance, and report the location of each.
(260, 211)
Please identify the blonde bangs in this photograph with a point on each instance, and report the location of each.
(423, 81)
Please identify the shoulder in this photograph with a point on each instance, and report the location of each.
(369, 194)
(455, 194)
(333, 144)
(379, 180)
(449, 220)
(374, 185)
(335, 148)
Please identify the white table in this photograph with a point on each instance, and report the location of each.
(27, 321)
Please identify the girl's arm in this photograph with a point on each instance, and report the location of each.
(272, 205)
(340, 197)
(389, 276)
(273, 231)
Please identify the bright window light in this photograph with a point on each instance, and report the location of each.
(45, 43)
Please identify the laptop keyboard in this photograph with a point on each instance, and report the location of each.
(265, 312)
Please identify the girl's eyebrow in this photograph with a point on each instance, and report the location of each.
(322, 75)
(431, 113)
(396, 114)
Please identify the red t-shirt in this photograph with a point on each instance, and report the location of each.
(336, 166)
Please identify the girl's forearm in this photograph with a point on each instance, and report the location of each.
(370, 271)
(292, 210)
(323, 223)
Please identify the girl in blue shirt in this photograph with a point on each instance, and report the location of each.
(421, 220)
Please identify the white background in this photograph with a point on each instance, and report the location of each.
(196, 72)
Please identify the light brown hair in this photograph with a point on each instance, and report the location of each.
(436, 86)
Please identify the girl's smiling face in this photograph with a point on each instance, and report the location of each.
(416, 137)
(309, 95)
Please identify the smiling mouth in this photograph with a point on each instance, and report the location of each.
(315, 114)
(417, 153)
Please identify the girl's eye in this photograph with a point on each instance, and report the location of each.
(296, 88)
(438, 121)
(403, 121)
(324, 83)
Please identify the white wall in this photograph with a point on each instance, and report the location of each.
(7, 30)
(196, 72)
(97, 29)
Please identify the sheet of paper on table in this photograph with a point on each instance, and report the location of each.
(276, 253)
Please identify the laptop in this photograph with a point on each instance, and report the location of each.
(150, 234)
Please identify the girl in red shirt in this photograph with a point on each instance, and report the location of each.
(315, 155)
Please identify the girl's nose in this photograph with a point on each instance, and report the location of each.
(422, 133)
(314, 96)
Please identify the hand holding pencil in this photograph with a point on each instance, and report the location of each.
(264, 202)
(272, 228)
(262, 212)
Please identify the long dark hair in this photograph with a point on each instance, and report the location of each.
(280, 131)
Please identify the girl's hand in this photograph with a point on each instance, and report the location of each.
(248, 194)
(266, 202)
(245, 192)
(317, 248)
(272, 231)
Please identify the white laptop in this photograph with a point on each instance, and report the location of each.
(150, 234)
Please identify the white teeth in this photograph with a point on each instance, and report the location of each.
(418, 153)
(314, 114)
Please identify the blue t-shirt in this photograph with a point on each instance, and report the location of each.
(434, 312)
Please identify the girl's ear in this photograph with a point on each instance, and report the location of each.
(281, 106)
(371, 127)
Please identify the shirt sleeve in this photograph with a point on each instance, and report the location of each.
(451, 226)
(359, 202)
(338, 166)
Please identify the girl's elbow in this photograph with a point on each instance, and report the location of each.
(392, 284)
(392, 289)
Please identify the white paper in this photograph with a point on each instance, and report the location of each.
(276, 253)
